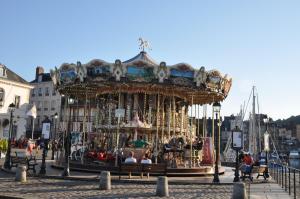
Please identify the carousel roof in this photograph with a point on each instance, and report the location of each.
(142, 56)
(141, 74)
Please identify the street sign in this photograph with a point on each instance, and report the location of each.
(120, 112)
(46, 130)
(237, 139)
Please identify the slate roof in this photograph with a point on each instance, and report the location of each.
(12, 76)
(45, 78)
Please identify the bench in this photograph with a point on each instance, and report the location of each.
(142, 168)
(30, 162)
(261, 171)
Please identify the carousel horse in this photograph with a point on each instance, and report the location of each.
(175, 144)
(196, 155)
(197, 145)
(174, 147)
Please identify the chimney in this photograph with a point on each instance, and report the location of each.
(38, 71)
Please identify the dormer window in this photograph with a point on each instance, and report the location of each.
(2, 71)
(40, 77)
(2, 95)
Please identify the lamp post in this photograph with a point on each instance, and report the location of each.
(7, 163)
(54, 136)
(45, 137)
(67, 140)
(216, 109)
(237, 144)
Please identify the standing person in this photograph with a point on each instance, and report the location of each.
(130, 158)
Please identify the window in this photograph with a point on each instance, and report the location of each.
(2, 71)
(53, 104)
(33, 92)
(53, 91)
(46, 105)
(17, 101)
(47, 91)
(40, 78)
(2, 95)
(39, 105)
(40, 92)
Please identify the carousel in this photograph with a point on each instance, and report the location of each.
(139, 105)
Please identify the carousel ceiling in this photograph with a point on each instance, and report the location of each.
(141, 74)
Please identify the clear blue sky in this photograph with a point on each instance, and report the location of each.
(255, 42)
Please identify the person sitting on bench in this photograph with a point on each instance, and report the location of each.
(246, 167)
(146, 159)
(130, 159)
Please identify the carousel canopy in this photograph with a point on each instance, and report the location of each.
(141, 74)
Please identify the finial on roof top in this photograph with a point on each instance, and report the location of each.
(144, 44)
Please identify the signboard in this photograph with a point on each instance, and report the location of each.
(237, 140)
(120, 112)
(266, 141)
(46, 130)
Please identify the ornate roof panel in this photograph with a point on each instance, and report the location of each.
(142, 74)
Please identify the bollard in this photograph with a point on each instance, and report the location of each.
(21, 174)
(162, 189)
(105, 181)
(239, 191)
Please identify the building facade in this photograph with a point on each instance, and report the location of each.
(46, 99)
(13, 89)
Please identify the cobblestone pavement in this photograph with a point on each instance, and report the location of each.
(50, 188)
(56, 188)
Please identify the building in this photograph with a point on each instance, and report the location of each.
(46, 99)
(13, 89)
(298, 131)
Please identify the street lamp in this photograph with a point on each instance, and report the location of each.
(45, 139)
(7, 163)
(217, 109)
(54, 136)
(67, 140)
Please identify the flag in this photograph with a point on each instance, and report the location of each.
(32, 111)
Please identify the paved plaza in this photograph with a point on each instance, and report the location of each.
(51, 188)
(76, 187)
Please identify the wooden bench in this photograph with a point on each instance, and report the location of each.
(261, 171)
(30, 162)
(142, 168)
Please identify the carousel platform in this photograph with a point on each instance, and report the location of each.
(171, 172)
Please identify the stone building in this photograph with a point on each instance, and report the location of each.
(46, 99)
(13, 89)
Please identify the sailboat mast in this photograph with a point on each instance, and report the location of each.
(253, 123)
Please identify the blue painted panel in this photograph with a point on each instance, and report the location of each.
(179, 73)
(132, 70)
(66, 76)
(101, 70)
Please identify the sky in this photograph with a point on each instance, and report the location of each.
(257, 43)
